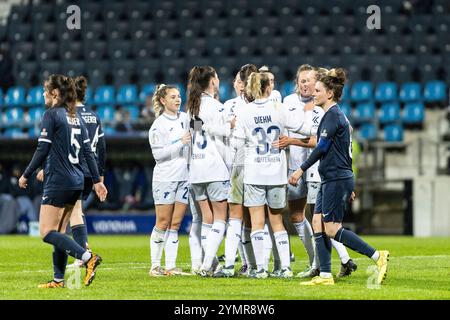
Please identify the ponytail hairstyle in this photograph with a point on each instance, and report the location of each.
(160, 92)
(257, 84)
(320, 72)
(244, 73)
(198, 81)
(303, 67)
(80, 87)
(67, 92)
(334, 80)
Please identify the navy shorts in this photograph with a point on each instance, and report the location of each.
(61, 198)
(88, 184)
(333, 199)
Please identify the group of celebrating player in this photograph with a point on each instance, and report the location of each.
(232, 163)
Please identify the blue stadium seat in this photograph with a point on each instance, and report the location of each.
(15, 96)
(35, 96)
(88, 97)
(368, 131)
(410, 91)
(224, 92)
(386, 91)
(346, 93)
(287, 88)
(36, 113)
(13, 116)
(133, 110)
(390, 112)
(347, 109)
(147, 90)
(414, 113)
(106, 112)
(361, 91)
(14, 133)
(127, 94)
(364, 112)
(435, 91)
(104, 95)
(33, 132)
(1, 97)
(393, 133)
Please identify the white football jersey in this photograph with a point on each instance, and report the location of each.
(298, 155)
(208, 162)
(275, 95)
(170, 154)
(259, 125)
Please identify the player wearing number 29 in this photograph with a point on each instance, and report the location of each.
(335, 169)
(63, 136)
(257, 127)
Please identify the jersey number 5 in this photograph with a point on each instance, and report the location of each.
(76, 145)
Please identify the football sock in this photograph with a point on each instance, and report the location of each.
(79, 234)
(171, 249)
(59, 263)
(206, 227)
(195, 244)
(341, 250)
(267, 247)
(65, 243)
(248, 247)
(351, 240)
(214, 239)
(156, 246)
(282, 242)
(323, 246)
(232, 240)
(257, 238)
(305, 233)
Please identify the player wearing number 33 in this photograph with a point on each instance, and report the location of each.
(63, 142)
(335, 169)
(265, 167)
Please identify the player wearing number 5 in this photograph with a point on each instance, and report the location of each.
(63, 136)
(335, 169)
(265, 167)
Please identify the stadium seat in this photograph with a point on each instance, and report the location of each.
(414, 113)
(225, 91)
(147, 90)
(410, 91)
(106, 113)
(13, 116)
(15, 96)
(368, 131)
(88, 97)
(347, 109)
(287, 88)
(361, 91)
(346, 93)
(36, 113)
(364, 112)
(386, 91)
(15, 133)
(104, 95)
(127, 94)
(435, 91)
(393, 133)
(133, 110)
(1, 98)
(35, 96)
(390, 112)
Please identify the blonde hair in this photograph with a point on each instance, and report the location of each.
(264, 69)
(257, 84)
(160, 92)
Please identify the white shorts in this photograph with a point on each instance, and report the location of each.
(214, 191)
(237, 185)
(313, 190)
(258, 195)
(169, 192)
(303, 189)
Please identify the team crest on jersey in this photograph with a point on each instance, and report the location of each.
(44, 132)
(324, 133)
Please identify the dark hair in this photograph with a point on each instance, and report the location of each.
(334, 80)
(244, 74)
(257, 83)
(198, 82)
(80, 87)
(67, 91)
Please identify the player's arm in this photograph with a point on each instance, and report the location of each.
(238, 138)
(284, 141)
(165, 150)
(299, 122)
(216, 123)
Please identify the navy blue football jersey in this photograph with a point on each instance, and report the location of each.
(336, 163)
(94, 130)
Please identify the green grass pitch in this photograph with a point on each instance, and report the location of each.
(418, 269)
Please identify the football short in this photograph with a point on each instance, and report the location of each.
(333, 199)
(298, 191)
(237, 186)
(170, 192)
(88, 185)
(258, 195)
(214, 191)
(60, 198)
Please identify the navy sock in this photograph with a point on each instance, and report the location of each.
(354, 242)
(79, 234)
(323, 246)
(59, 263)
(64, 243)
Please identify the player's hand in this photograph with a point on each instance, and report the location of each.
(293, 179)
(40, 176)
(101, 191)
(186, 139)
(233, 122)
(352, 196)
(309, 106)
(23, 182)
(281, 143)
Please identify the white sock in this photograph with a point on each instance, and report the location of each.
(282, 241)
(206, 227)
(258, 247)
(325, 275)
(267, 247)
(232, 240)
(375, 256)
(242, 252)
(87, 256)
(305, 233)
(157, 246)
(214, 239)
(276, 254)
(171, 249)
(195, 244)
(341, 250)
(248, 247)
